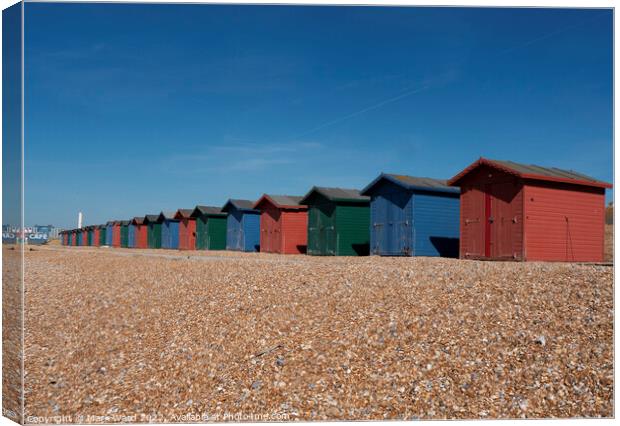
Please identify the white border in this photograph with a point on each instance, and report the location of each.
(479, 3)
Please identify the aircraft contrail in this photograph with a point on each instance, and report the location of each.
(548, 35)
(427, 85)
(364, 110)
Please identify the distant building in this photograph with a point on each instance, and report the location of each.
(51, 231)
(37, 234)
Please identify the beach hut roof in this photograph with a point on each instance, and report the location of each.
(183, 213)
(166, 215)
(243, 205)
(336, 194)
(282, 201)
(152, 218)
(138, 220)
(207, 211)
(412, 183)
(532, 172)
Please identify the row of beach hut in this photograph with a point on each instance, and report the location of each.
(490, 210)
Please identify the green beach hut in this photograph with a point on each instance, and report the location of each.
(102, 231)
(124, 233)
(210, 228)
(153, 230)
(338, 222)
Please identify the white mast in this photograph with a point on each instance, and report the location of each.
(79, 220)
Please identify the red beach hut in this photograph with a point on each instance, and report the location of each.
(116, 233)
(525, 212)
(95, 237)
(283, 224)
(187, 229)
(140, 239)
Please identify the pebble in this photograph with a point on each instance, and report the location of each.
(363, 338)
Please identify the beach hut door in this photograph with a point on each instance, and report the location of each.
(396, 236)
(500, 220)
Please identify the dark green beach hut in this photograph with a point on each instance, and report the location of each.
(338, 222)
(153, 230)
(102, 231)
(90, 232)
(124, 233)
(210, 228)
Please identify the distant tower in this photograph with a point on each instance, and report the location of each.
(79, 220)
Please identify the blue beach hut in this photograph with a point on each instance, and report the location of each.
(131, 234)
(108, 233)
(169, 230)
(413, 216)
(242, 226)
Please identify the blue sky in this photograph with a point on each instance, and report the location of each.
(134, 109)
